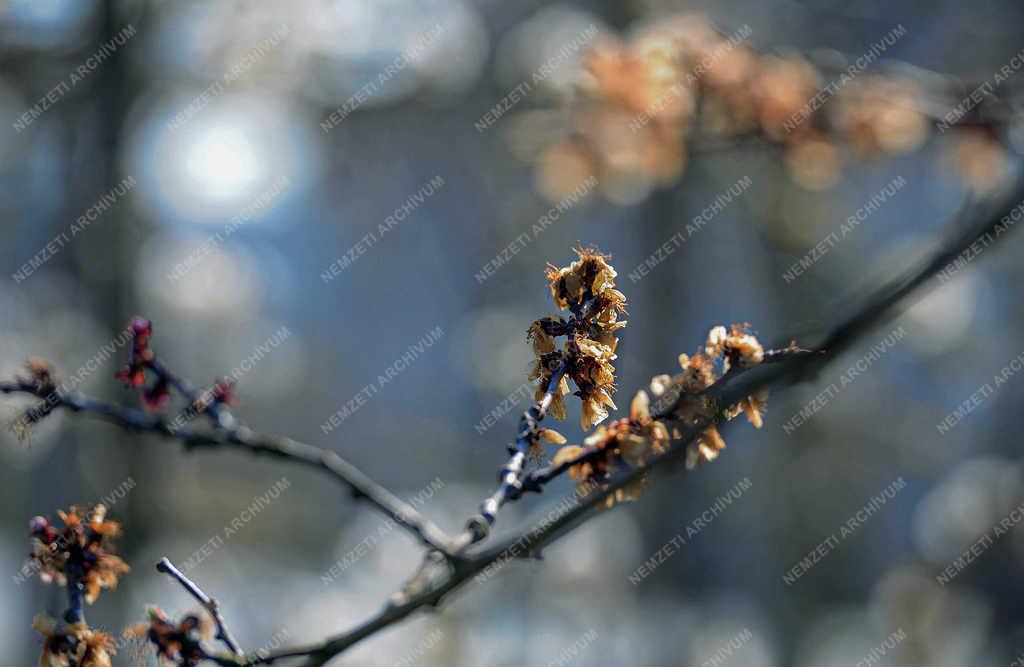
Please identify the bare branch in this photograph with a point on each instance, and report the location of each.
(208, 603)
(243, 437)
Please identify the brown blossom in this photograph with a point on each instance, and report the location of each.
(80, 548)
(878, 115)
(174, 642)
(623, 442)
(586, 288)
(724, 350)
(43, 373)
(633, 119)
(73, 645)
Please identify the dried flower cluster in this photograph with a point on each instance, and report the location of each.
(724, 350)
(641, 105)
(81, 549)
(78, 556)
(43, 373)
(175, 642)
(73, 644)
(622, 441)
(632, 440)
(586, 288)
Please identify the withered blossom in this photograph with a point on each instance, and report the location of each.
(43, 373)
(174, 642)
(623, 441)
(586, 288)
(72, 645)
(633, 116)
(80, 548)
(723, 351)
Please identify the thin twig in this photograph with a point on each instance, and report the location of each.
(208, 603)
(75, 589)
(217, 411)
(243, 437)
(511, 474)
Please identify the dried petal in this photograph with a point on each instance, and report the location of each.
(566, 454)
(640, 407)
(551, 436)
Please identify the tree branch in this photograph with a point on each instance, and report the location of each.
(245, 438)
(511, 475)
(208, 603)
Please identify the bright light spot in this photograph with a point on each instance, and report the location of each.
(224, 162)
(216, 161)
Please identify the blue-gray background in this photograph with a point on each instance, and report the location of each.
(420, 426)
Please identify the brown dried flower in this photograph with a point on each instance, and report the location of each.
(73, 645)
(587, 289)
(980, 159)
(175, 642)
(624, 441)
(724, 350)
(633, 120)
(81, 548)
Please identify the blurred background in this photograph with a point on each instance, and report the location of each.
(362, 173)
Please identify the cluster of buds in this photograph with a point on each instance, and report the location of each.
(634, 117)
(140, 358)
(72, 644)
(157, 394)
(80, 550)
(586, 288)
(175, 642)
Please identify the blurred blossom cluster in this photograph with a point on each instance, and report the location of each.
(644, 105)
